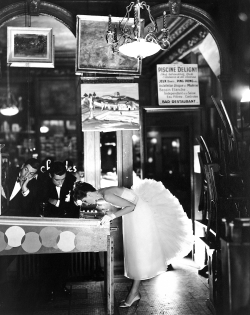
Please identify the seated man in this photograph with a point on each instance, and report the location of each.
(20, 190)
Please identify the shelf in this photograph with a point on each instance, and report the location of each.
(17, 132)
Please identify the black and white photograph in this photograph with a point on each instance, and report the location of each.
(124, 157)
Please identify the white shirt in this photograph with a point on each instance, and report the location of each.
(2, 192)
(16, 189)
(58, 189)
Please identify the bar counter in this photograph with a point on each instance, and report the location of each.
(39, 235)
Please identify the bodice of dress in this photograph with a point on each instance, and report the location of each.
(129, 195)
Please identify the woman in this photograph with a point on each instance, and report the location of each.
(155, 227)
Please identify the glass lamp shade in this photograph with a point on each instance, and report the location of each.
(44, 129)
(139, 49)
(10, 110)
(245, 96)
(9, 106)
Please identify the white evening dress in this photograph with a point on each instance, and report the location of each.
(156, 232)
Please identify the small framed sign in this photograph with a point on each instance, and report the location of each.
(178, 84)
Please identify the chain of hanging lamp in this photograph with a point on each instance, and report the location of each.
(11, 107)
(9, 104)
(28, 24)
(11, 100)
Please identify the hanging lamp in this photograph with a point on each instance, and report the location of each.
(130, 41)
(9, 105)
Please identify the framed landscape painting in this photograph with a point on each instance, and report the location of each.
(94, 54)
(110, 106)
(30, 46)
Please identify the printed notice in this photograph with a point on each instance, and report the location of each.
(178, 84)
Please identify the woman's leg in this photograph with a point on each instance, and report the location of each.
(134, 291)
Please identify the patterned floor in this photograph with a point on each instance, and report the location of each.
(178, 292)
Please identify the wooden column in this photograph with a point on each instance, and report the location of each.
(110, 275)
(1, 146)
(235, 278)
(125, 179)
(92, 158)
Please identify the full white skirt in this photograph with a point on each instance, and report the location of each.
(156, 232)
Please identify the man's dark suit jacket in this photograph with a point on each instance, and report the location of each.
(20, 205)
(65, 209)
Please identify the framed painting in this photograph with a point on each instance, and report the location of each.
(94, 54)
(30, 46)
(57, 96)
(110, 106)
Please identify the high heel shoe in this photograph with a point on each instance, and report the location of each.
(124, 304)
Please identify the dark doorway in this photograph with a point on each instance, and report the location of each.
(168, 155)
(168, 160)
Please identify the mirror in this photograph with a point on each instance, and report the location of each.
(47, 124)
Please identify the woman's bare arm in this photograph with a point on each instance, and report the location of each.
(114, 199)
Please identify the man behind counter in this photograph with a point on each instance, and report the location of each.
(21, 190)
(20, 195)
(56, 196)
(56, 192)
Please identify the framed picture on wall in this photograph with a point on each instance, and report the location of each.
(30, 46)
(57, 96)
(109, 106)
(94, 54)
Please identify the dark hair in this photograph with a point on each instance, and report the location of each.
(81, 189)
(33, 163)
(57, 168)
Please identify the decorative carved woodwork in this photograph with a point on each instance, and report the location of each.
(175, 7)
(34, 7)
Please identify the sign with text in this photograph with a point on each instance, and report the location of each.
(178, 84)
